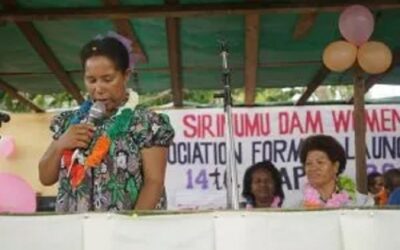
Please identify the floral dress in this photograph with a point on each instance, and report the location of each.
(115, 183)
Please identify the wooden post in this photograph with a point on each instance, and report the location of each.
(173, 25)
(360, 131)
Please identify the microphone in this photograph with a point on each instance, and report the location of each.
(96, 112)
(224, 53)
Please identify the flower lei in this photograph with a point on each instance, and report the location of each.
(119, 127)
(346, 191)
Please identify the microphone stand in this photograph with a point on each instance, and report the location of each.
(231, 170)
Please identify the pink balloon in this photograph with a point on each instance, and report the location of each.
(16, 195)
(356, 23)
(7, 146)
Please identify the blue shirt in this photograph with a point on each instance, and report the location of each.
(394, 197)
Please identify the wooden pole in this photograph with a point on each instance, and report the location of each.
(173, 26)
(360, 131)
(252, 34)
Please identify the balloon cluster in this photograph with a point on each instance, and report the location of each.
(356, 24)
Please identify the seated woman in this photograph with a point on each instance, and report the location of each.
(262, 186)
(324, 161)
(376, 188)
(392, 185)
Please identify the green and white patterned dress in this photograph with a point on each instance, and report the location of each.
(115, 184)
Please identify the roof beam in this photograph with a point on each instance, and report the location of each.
(174, 57)
(13, 92)
(304, 24)
(36, 41)
(316, 81)
(176, 10)
(33, 36)
(187, 68)
(124, 27)
(252, 33)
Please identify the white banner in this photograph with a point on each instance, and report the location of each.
(196, 162)
(273, 230)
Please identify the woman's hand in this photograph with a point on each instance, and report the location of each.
(77, 136)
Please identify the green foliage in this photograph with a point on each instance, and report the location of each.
(10, 104)
(347, 184)
(61, 100)
(201, 96)
(54, 101)
(332, 93)
(275, 95)
(155, 99)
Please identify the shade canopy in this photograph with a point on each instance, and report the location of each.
(271, 43)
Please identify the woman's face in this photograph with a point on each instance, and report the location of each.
(320, 170)
(378, 185)
(262, 186)
(105, 83)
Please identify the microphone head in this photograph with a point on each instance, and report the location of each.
(96, 112)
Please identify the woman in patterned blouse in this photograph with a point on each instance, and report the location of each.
(121, 161)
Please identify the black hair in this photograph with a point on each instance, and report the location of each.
(371, 179)
(326, 144)
(109, 47)
(392, 179)
(276, 176)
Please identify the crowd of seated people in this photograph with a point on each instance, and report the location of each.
(324, 161)
(376, 188)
